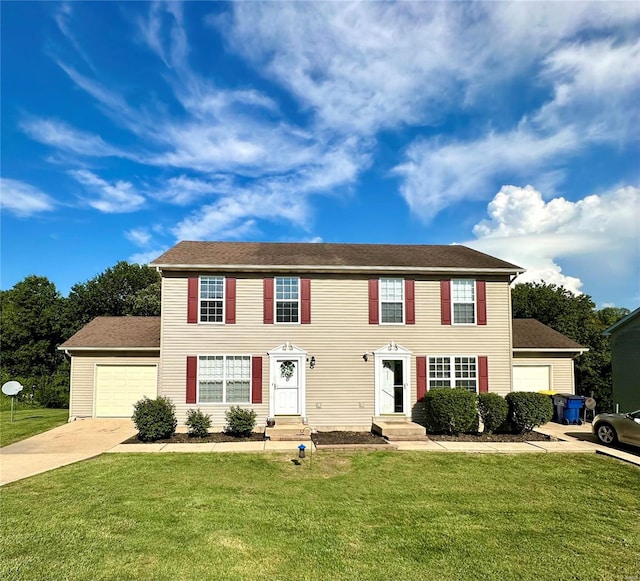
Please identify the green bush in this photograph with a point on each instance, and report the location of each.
(198, 423)
(528, 410)
(451, 411)
(155, 419)
(239, 422)
(493, 409)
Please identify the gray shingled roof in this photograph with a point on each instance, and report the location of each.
(532, 334)
(117, 333)
(258, 254)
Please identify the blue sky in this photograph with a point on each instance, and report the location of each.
(510, 127)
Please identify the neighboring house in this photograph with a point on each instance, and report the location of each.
(336, 334)
(625, 360)
(543, 358)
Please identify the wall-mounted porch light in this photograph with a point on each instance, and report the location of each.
(312, 362)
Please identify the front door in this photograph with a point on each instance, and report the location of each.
(392, 386)
(287, 386)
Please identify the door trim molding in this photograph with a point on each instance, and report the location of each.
(294, 353)
(395, 352)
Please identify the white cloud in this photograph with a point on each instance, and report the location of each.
(599, 234)
(23, 199)
(62, 136)
(147, 256)
(119, 197)
(139, 236)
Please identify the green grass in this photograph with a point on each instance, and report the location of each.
(28, 422)
(351, 516)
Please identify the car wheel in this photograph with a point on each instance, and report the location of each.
(606, 434)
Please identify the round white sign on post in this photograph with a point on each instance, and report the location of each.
(12, 388)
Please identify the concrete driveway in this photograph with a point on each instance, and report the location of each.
(63, 445)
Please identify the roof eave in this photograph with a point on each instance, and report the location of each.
(550, 350)
(66, 348)
(621, 322)
(333, 268)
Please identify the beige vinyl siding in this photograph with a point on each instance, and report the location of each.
(340, 389)
(83, 365)
(562, 376)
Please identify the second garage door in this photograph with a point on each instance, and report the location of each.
(118, 387)
(531, 377)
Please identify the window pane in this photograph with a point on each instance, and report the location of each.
(286, 312)
(439, 383)
(211, 287)
(211, 311)
(468, 384)
(211, 391)
(237, 392)
(391, 290)
(391, 312)
(463, 313)
(463, 291)
(286, 289)
(211, 367)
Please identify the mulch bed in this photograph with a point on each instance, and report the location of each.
(213, 437)
(529, 437)
(343, 438)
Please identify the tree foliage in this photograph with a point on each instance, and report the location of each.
(576, 317)
(35, 319)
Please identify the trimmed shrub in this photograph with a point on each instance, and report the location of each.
(239, 422)
(198, 423)
(493, 409)
(528, 410)
(451, 411)
(155, 419)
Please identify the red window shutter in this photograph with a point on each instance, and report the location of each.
(410, 301)
(192, 300)
(421, 372)
(268, 301)
(230, 301)
(445, 302)
(481, 301)
(192, 378)
(373, 301)
(256, 380)
(305, 301)
(483, 374)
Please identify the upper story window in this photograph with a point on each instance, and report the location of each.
(463, 300)
(453, 372)
(287, 299)
(212, 299)
(391, 300)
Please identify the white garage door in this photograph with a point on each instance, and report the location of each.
(118, 387)
(531, 377)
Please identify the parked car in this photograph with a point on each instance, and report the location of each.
(612, 428)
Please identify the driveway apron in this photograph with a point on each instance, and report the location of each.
(60, 446)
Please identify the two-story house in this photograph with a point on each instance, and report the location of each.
(337, 334)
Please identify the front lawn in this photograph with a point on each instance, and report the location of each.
(28, 422)
(348, 516)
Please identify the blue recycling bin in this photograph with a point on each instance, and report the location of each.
(571, 410)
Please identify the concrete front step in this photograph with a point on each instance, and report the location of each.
(288, 420)
(288, 429)
(398, 429)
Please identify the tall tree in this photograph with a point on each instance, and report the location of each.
(120, 290)
(576, 317)
(32, 325)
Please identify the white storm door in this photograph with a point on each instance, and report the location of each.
(392, 386)
(286, 386)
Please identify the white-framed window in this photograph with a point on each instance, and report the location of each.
(392, 300)
(463, 301)
(287, 303)
(212, 299)
(224, 379)
(454, 371)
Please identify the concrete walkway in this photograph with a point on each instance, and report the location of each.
(85, 439)
(60, 446)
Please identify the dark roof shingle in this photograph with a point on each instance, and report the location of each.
(117, 333)
(328, 255)
(532, 334)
